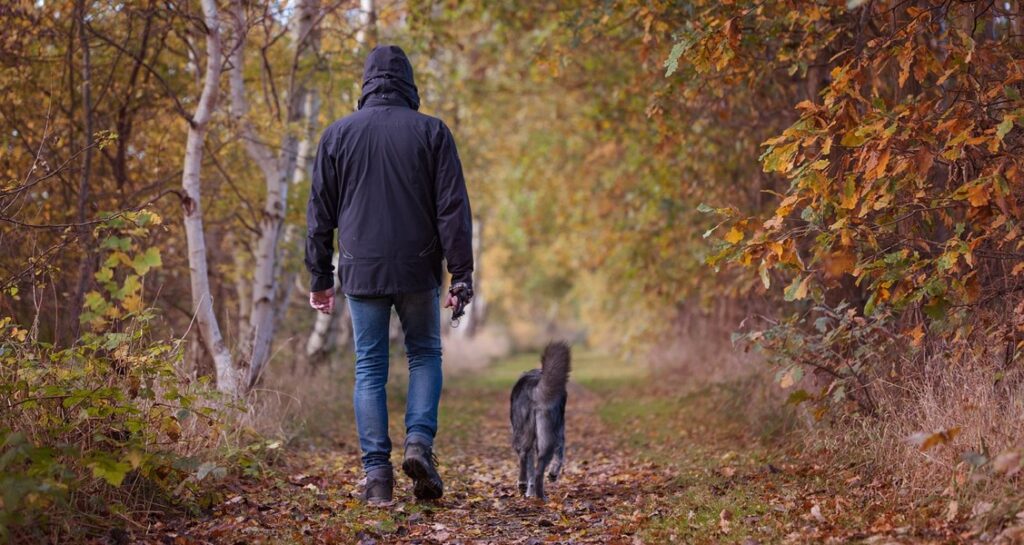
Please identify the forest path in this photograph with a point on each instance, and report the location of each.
(646, 463)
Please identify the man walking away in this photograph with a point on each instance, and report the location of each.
(388, 178)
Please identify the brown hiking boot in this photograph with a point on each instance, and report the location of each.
(421, 466)
(380, 483)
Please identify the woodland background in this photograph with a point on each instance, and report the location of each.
(823, 198)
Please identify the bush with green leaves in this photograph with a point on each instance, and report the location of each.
(108, 425)
(843, 351)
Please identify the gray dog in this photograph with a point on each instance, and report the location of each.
(538, 419)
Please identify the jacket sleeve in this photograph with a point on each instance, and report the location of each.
(454, 217)
(322, 218)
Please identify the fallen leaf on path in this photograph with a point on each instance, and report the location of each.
(725, 521)
(981, 508)
(1007, 462)
(951, 510)
(816, 513)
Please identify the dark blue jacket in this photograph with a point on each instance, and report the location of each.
(388, 178)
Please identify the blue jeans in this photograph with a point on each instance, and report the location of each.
(420, 314)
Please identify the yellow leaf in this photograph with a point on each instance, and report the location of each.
(917, 335)
(132, 303)
(977, 195)
(734, 236)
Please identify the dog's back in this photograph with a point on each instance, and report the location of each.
(538, 418)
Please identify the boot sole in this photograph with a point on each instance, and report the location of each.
(425, 485)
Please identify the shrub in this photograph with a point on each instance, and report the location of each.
(107, 426)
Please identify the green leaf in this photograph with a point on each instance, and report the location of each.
(672, 63)
(790, 376)
(104, 275)
(798, 397)
(1004, 127)
(116, 243)
(109, 470)
(95, 302)
(146, 261)
(797, 289)
(936, 308)
(208, 469)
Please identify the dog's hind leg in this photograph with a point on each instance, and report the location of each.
(524, 468)
(558, 459)
(546, 442)
(526, 463)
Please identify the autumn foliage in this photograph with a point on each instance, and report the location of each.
(837, 182)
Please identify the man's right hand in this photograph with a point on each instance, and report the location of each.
(322, 300)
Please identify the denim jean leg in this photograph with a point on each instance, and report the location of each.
(370, 320)
(420, 314)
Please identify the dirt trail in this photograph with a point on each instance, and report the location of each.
(589, 503)
(316, 502)
(645, 464)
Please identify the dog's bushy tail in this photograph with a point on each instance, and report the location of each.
(554, 372)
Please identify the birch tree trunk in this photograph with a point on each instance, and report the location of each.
(202, 300)
(278, 171)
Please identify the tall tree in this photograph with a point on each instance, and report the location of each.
(191, 183)
(86, 262)
(279, 171)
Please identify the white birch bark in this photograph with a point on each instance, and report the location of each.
(278, 171)
(202, 300)
(367, 34)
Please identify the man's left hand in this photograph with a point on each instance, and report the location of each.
(322, 300)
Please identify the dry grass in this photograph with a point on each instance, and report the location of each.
(972, 394)
(297, 399)
(970, 397)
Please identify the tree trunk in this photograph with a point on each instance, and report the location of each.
(86, 264)
(202, 301)
(367, 34)
(278, 173)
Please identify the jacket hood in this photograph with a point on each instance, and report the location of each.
(388, 78)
